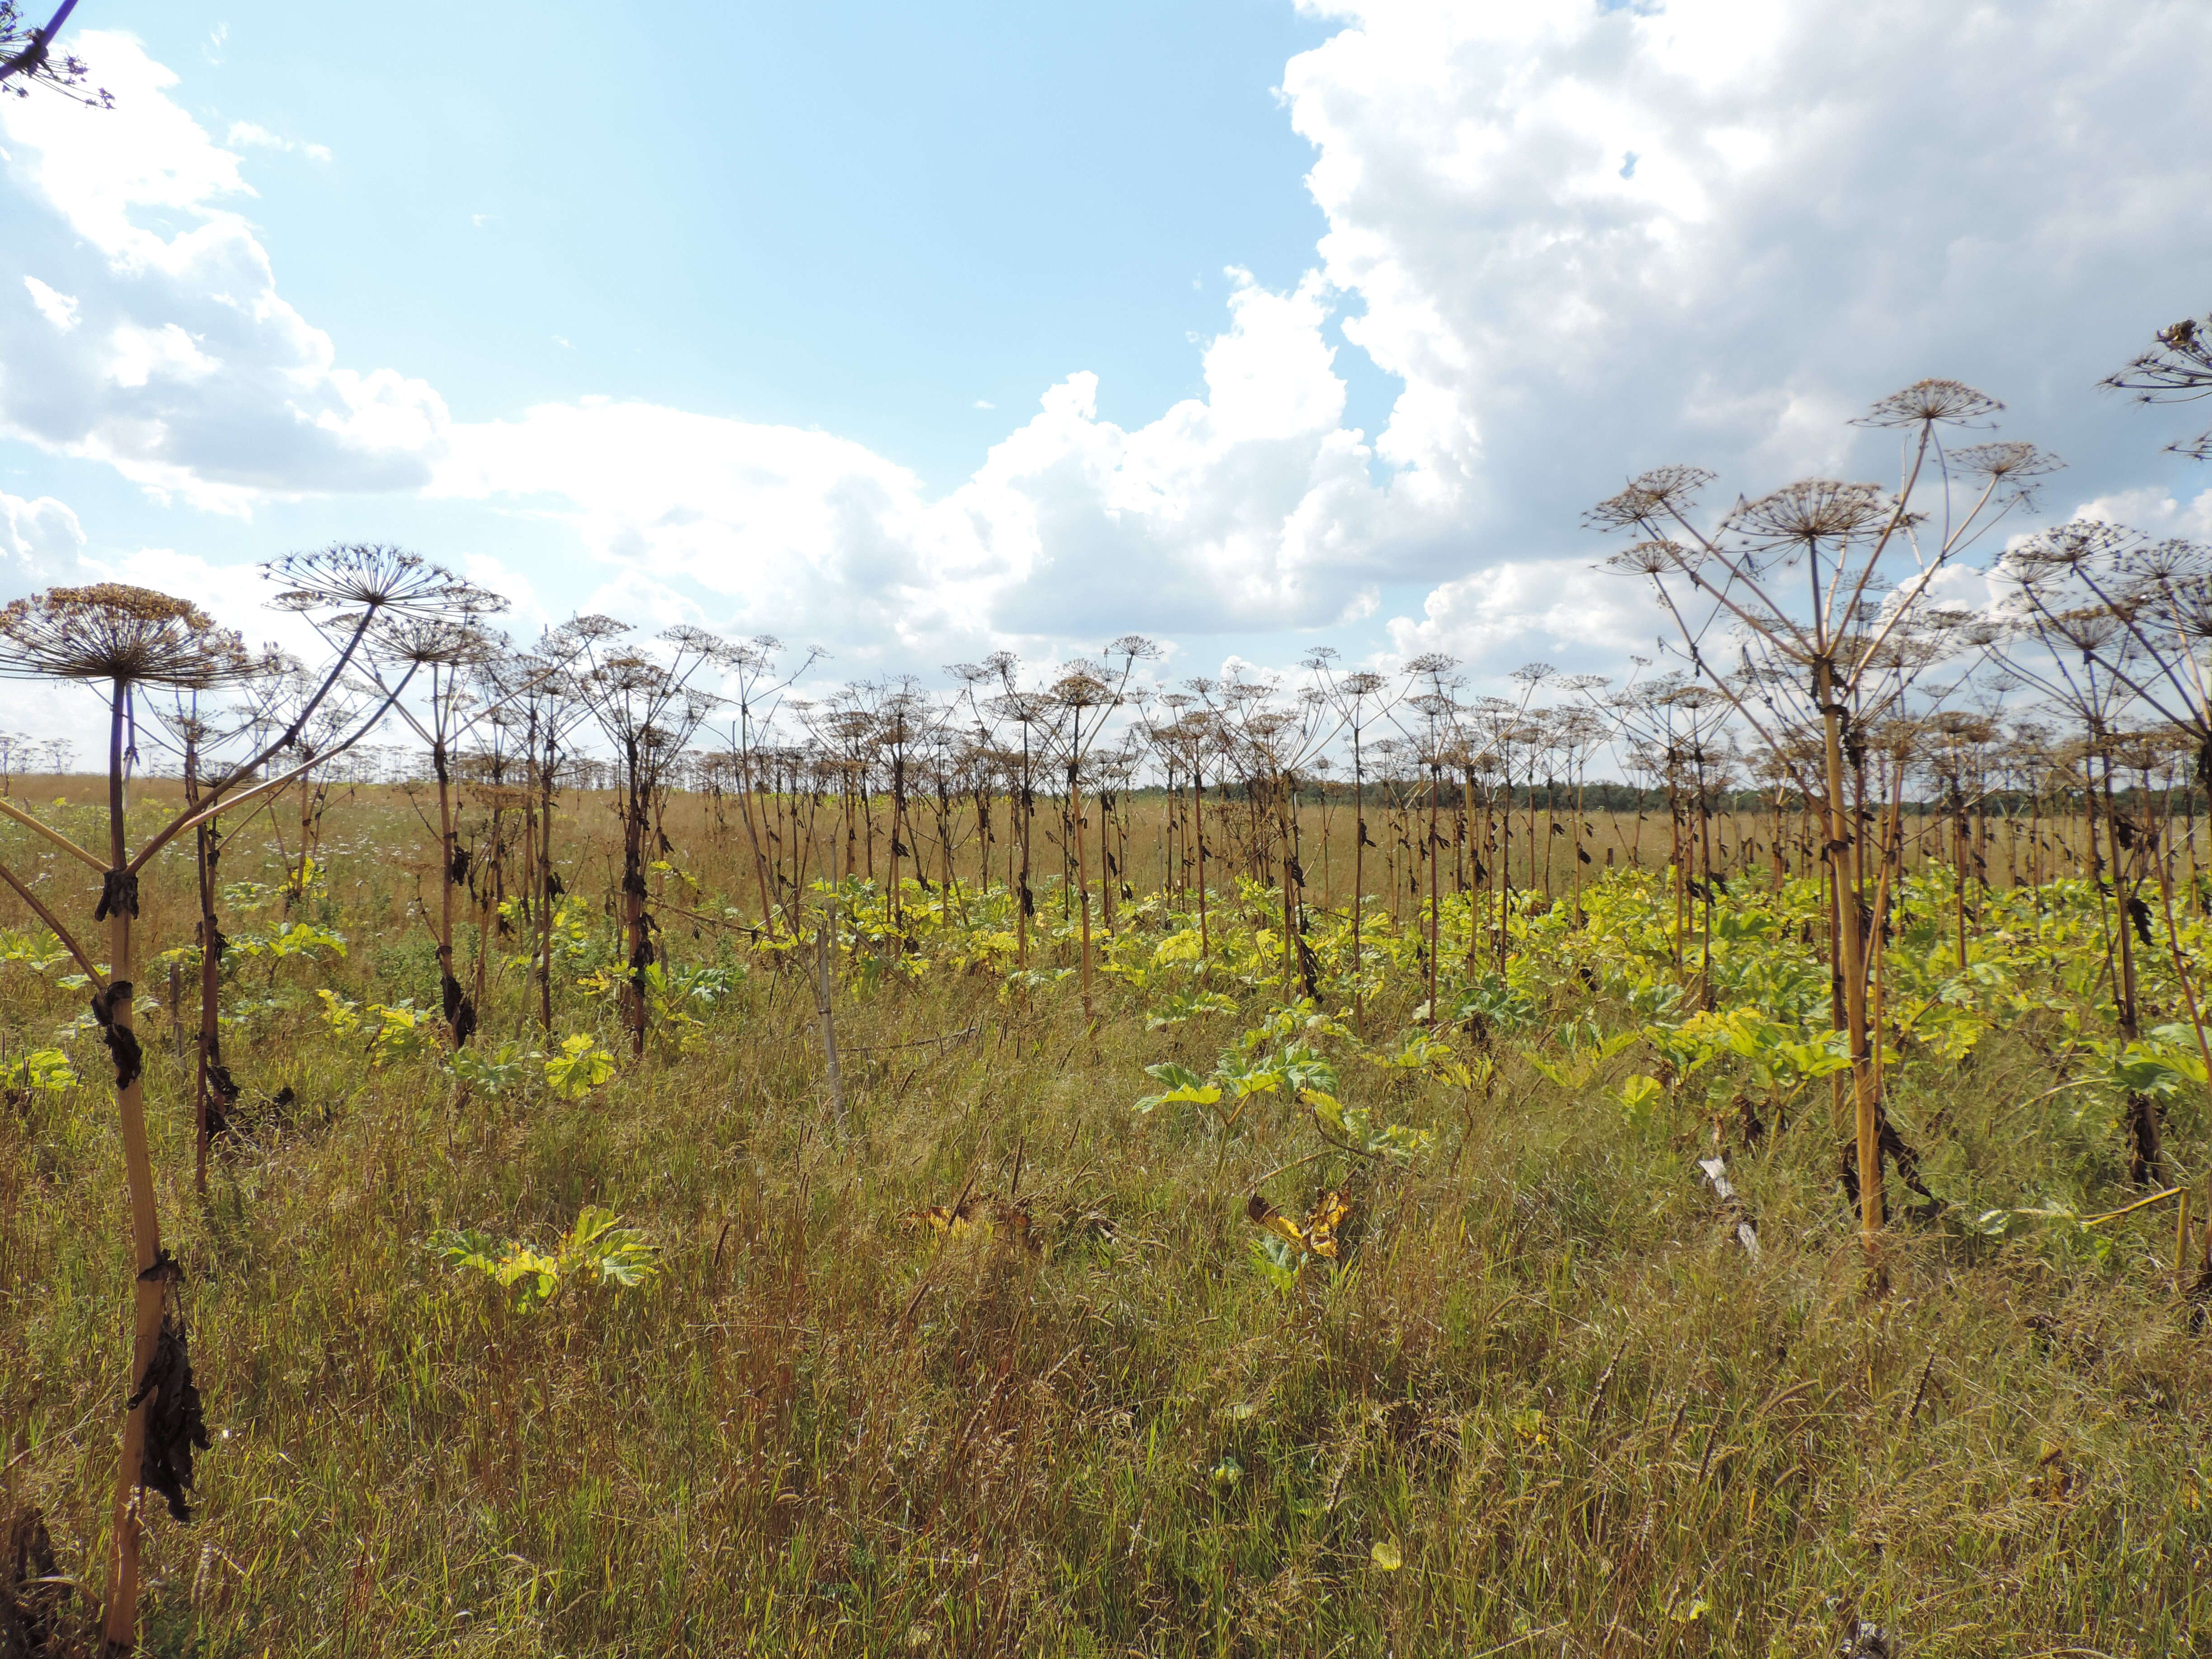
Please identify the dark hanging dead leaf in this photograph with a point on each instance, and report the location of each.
(175, 1426)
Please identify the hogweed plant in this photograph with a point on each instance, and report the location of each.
(2110, 626)
(597, 1250)
(2175, 368)
(647, 708)
(128, 641)
(1809, 588)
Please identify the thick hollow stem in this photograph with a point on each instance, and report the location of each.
(1081, 876)
(1842, 854)
(120, 1621)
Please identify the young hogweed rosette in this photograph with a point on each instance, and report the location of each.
(115, 632)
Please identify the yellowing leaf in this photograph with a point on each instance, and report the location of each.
(954, 1219)
(1006, 1220)
(1317, 1233)
(1264, 1214)
(1321, 1225)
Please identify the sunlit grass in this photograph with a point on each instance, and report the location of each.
(1545, 1378)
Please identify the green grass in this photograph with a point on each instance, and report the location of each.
(1544, 1373)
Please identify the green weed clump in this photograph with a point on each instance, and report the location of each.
(547, 1350)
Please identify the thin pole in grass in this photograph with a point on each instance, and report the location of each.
(824, 1004)
(758, 688)
(979, 760)
(470, 678)
(546, 710)
(1079, 694)
(1199, 729)
(1030, 711)
(1265, 742)
(123, 638)
(1581, 732)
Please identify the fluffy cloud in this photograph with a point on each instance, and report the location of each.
(2154, 510)
(251, 135)
(1251, 506)
(148, 332)
(38, 540)
(1579, 619)
(1591, 239)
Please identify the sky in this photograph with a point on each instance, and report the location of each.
(919, 332)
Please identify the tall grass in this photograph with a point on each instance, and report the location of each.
(1547, 1381)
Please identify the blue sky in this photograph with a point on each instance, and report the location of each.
(871, 218)
(862, 217)
(922, 331)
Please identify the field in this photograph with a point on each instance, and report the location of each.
(1222, 1320)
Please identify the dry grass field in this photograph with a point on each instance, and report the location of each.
(1000, 1361)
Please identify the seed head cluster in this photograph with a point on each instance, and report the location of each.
(115, 632)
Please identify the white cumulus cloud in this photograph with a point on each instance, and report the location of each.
(60, 309)
(251, 135)
(1251, 506)
(184, 367)
(1828, 200)
(38, 539)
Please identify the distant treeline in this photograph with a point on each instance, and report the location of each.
(1610, 797)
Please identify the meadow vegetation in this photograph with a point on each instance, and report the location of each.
(1006, 1365)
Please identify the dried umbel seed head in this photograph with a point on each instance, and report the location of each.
(1652, 558)
(424, 640)
(2083, 544)
(1022, 708)
(1084, 689)
(1811, 512)
(372, 577)
(1663, 491)
(583, 633)
(1135, 648)
(2186, 606)
(699, 642)
(1931, 402)
(2087, 630)
(2005, 461)
(113, 631)
(2177, 368)
(2172, 561)
(1963, 726)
